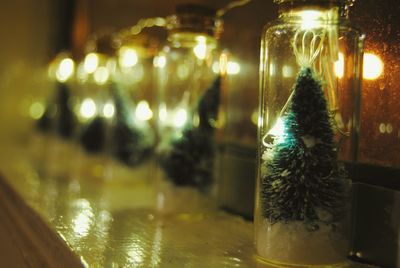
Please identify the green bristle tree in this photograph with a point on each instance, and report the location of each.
(189, 159)
(301, 177)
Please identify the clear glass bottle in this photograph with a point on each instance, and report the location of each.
(133, 138)
(308, 122)
(58, 120)
(189, 92)
(95, 108)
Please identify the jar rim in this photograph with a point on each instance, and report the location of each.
(195, 18)
(345, 2)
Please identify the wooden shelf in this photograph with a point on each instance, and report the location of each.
(73, 223)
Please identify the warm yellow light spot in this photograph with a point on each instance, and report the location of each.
(83, 219)
(233, 68)
(382, 128)
(159, 61)
(223, 63)
(143, 111)
(88, 108)
(287, 71)
(389, 128)
(182, 71)
(310, 19)
(271, 69)
(36, 110)
(278, 129)
(339, 66)
(65, 70)
(215, 67)
(276, 132)
(200, 50)
(157, 247)
(373, 66)
(180, 117)
(101, 75)
(135, 252)
(127, 57)
(108, 110)
(254, 117)
(91, 62)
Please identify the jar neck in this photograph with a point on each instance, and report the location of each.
(209, 26)
(310, 13)
(191, 39)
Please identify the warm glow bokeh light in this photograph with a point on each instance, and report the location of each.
(143, 111)
(232, 67)
(200, 50)
(101, 75)
(339, 66)
(278, 129)
(127, 57)
(310, 19)
(108, 110)
(36, 110)
(91, 62)
(180, 117)
(65, 70)
(159, 61)
(88, 108)
(373, 66)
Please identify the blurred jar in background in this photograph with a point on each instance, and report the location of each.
(237, 136)
(189, 98)
(95, 107)
(57, 121)
(115, 107)
(133, 132)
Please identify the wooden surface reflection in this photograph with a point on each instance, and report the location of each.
(113, 225)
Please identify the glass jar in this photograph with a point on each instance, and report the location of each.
(95, 108)
(58, 122)
(133, 136)
(307, 133)
(189, 92)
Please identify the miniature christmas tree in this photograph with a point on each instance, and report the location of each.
(66, 118)
(129, 142)
(188, 160)
(132, 141)
(208, 106)
(65, 121)
(93, 138)
(301, 177)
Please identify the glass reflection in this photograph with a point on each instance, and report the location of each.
(84, 217)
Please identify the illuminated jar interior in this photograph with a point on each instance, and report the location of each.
(135, 56)
(335, 64)
(93, 75)
(188, 90)
(310, 35)
(184, 66)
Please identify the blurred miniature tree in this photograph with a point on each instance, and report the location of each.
(132, 141)
(93, 137)
(64, 119)
(188, 160)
